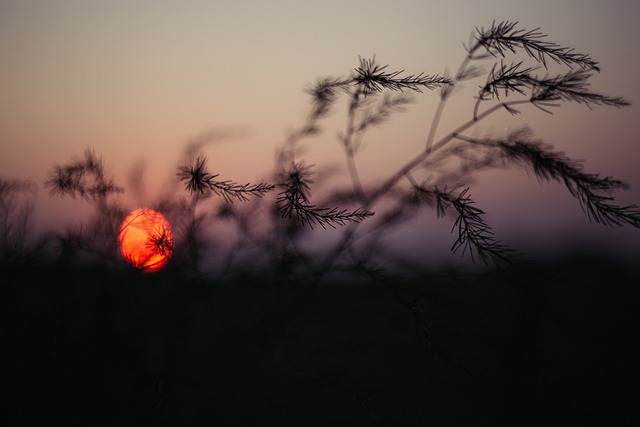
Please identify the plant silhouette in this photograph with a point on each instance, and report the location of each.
(86, 178)
(277, 317)
(16, 210)
(514, 68)
(519, 75)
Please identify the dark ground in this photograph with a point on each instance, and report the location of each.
(89, 347)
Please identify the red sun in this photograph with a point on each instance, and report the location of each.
(145, 239)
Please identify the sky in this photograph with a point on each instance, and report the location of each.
(137, 80)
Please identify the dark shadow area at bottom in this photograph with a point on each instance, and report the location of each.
(95, 347)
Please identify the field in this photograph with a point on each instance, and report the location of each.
(511, 347)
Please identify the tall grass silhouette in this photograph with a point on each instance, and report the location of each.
(16, 210)
(513, 67)
(275, 329)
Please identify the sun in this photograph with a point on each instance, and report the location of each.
(146, 240)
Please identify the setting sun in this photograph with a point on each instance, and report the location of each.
(146, 240)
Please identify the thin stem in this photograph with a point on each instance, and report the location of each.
(349, 148)
(475, 108)
(476, 119)
(443, 101)
(353, 171)
(434, 124)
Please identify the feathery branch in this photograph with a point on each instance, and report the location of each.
(474, 235)
(293, 203)
(502, 38)
(198, 179)
(519, 150)
(547, 164)
(373, 78)
(572, 86)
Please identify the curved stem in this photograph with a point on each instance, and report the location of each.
(349, 148)
(475, 109)
(476, 119)
(434, 124)
(353, 171)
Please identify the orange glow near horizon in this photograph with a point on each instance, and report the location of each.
(146, 240)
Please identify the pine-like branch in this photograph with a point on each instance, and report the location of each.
(231, 190)
(198, 179)
(373, 78)
(572, 86)
(506, 78)
(474, 235)
(591, 191)
(548, 165)
(503, 38)
(293, 204)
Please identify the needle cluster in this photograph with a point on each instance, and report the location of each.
(474, 234)
(293, 204)
(574, 87)
(505, 37)
(592, 191)
(372, 78)
(161, 241)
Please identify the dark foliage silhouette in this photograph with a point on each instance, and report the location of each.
(441, 175)
(86, 178)
(305, 316)
(16, 210)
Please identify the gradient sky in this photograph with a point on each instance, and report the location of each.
(136, 80)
